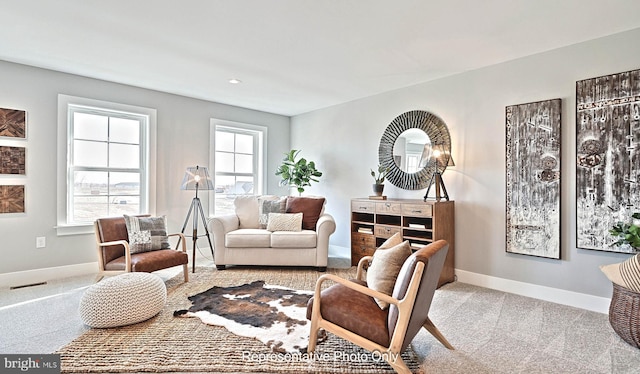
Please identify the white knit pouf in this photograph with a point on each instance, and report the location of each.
(122, 300)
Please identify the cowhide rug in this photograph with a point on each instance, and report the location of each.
(274, 315)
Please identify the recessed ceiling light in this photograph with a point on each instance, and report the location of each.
(234, 81)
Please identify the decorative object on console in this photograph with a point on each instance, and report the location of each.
(441, 157)
(607, 133)
(378, 186)
(406, 146)
(533, 178)
(197, 178)
(13, 123)
(297, 173)
(12, 160)
(12, 199)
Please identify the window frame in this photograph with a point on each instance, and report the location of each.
(67, 105)
(260, 150)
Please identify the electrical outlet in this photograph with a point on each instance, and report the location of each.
(41, 242)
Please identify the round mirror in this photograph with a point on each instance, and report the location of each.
(407, 149)
(412, 150)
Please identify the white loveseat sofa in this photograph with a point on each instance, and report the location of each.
(244, 238)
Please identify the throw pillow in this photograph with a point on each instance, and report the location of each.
(247, 211)
(147, 233)
(285, 222)
(310, 207)
(625, 274)
(385, 267)
(270, 206)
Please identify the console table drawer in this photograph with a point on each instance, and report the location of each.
(417, 210)
(385, 231)
(389, 208)
(363, 206)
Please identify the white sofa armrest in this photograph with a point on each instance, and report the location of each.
(219, 227)
(325, 226)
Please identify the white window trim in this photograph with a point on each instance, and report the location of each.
(63, 228)
(262, 154)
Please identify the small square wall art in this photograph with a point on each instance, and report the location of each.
(13, 123)
(12, 199)
(12, 160)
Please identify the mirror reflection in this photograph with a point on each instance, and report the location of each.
(412, 150)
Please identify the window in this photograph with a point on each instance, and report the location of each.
(107, 164)
(238, 162)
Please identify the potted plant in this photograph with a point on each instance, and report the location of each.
(378, 186)
(298, 173)
(627, 233)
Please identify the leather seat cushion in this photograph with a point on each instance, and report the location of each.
(340, 304)
(150, 261)
(248, 238)
(293, 239)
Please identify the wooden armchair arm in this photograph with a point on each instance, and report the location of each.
(363, 265)
(127, 251)
(352, 285)
(181, 241)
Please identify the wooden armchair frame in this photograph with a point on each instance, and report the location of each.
(127, 254)
(405, 308)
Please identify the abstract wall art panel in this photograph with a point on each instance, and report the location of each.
(13, 123)
(11, 199)
(607, 157)
(12, 160)
(533, 178)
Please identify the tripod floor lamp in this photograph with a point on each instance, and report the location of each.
(441, 157)
(197, 178)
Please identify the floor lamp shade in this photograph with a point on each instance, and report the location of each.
(197, 178)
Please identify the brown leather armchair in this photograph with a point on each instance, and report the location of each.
(348, 309)
(114, 255)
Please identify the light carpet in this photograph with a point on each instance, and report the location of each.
(169, 344)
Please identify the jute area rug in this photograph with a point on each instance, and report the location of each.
(169, 344)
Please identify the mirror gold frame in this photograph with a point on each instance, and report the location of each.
(438, 134)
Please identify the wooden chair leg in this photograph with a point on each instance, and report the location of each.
(436, 333)
(313, 335)
(185, 270)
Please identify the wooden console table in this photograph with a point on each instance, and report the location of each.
(419, 222)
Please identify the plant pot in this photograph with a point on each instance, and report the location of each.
(377, 189)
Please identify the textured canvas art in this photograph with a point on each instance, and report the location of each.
(12, 160)
(11, 199)
(13, 123)
(533, 178)
(608, 158)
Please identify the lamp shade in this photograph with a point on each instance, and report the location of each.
(442, 156)
(197, 178)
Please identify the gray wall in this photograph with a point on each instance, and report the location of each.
(344, 141)
(182, 140)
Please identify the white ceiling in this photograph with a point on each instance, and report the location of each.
(293, 56)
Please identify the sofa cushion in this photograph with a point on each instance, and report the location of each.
(310, 207)
(147, 233)
(284, 222)
(247, 211)
(248, 238)
(293, 239)
(270, 204)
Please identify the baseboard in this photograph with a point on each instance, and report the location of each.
(554, 295)
(21, 278)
